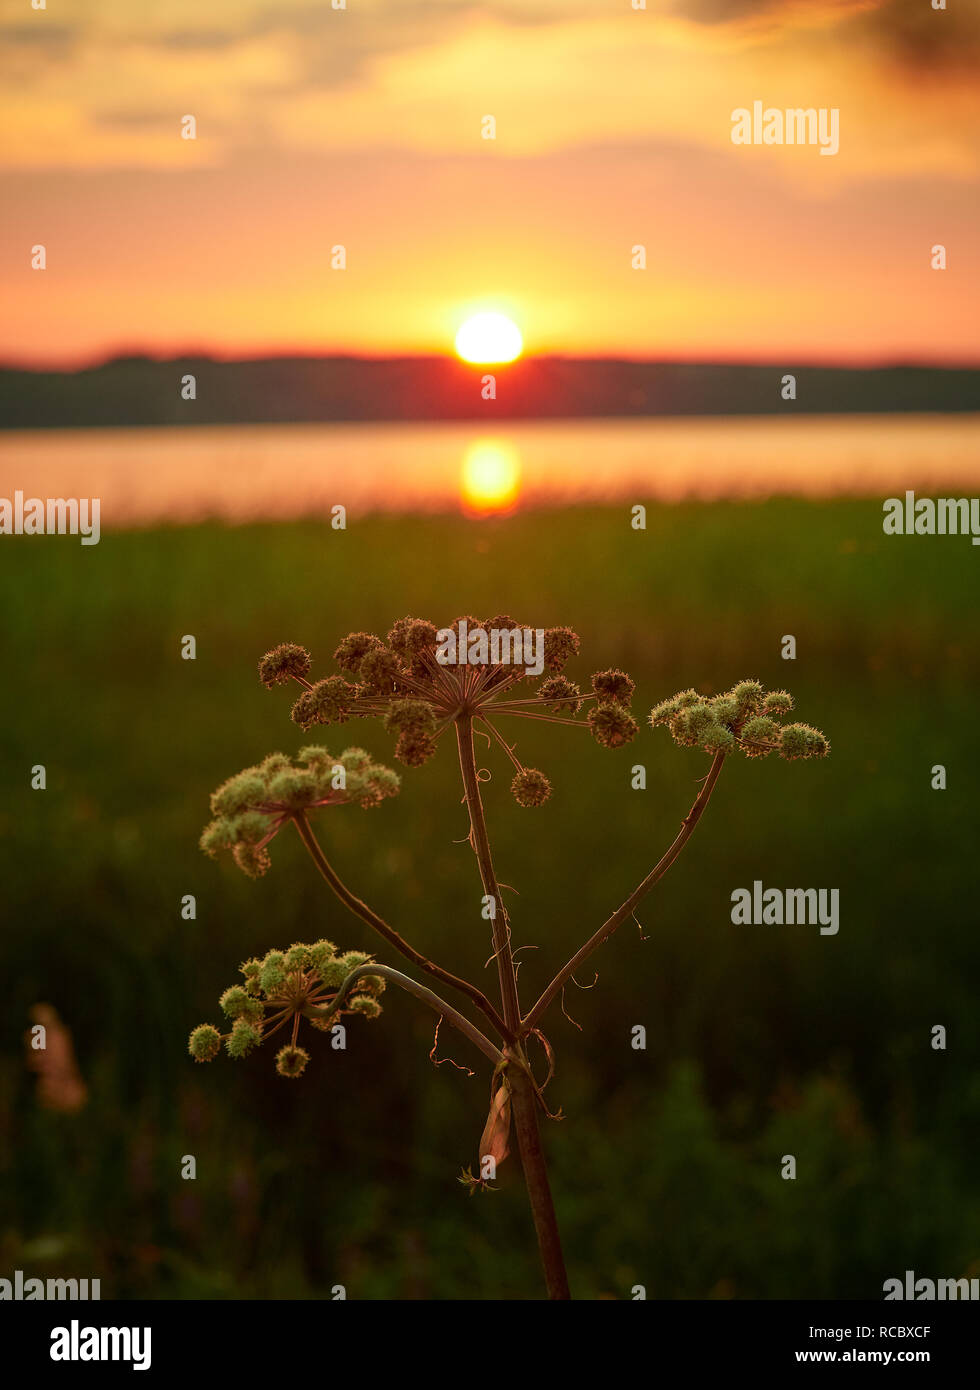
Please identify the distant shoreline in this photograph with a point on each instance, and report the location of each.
(134, 391)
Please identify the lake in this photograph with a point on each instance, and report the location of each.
(257, 472)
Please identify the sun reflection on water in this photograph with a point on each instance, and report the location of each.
(491, 478)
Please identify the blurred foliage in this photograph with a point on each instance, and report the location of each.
(761, 1041)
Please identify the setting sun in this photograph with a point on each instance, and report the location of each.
(489, 338)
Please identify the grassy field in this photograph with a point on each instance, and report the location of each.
(761, 1041)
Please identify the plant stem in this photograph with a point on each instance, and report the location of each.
(427, 996)
(621, 913)
(480, 840)
(523, 1101)
(361, 909)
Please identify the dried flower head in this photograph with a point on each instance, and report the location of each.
(611, 725)
(410, 717)
(291, 1061)
(284, 663)
(251, 808)
(560, 645)
(560, 693)
(353, 649)
(420, 685)
(414, 748)
(281, 989)
(613, 685)
(743, 720)
(330, 700)
(530, 787)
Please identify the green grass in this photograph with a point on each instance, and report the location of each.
(761, 1041)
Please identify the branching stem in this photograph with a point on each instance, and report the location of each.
(641, 890)
(427, 996)
(366, 914)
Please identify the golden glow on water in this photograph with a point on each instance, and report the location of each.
(491, 478)
(489, 338)
(274, 472)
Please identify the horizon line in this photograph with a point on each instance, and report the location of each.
(64, 367)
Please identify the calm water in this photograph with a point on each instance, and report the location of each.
(278, 471)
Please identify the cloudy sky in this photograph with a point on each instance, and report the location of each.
(363, 127)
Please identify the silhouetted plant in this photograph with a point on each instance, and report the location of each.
(419, 696)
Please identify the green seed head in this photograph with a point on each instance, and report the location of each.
(760, 736)
(749, 714)
(352, 960)
(234, 1002)
(371, 984)
(332, 972)
(297, 957)
(777, 702)
(321, 953)
(240, 792)
(802, 741)
(272, 976)
(377, 784)
(365, 1005)
(293, 789)
(698, 721)
(243, 1038)
(725, 709)
(214, 838)
(718, 739)
(204, 1043)
(252, 862)
(748, 697)
(666, 711)
(680, 731)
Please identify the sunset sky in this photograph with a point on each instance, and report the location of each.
(363, 127)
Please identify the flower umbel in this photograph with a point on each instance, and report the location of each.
(251, 808)
(744, 720)
(402, 682)
(281, 989)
